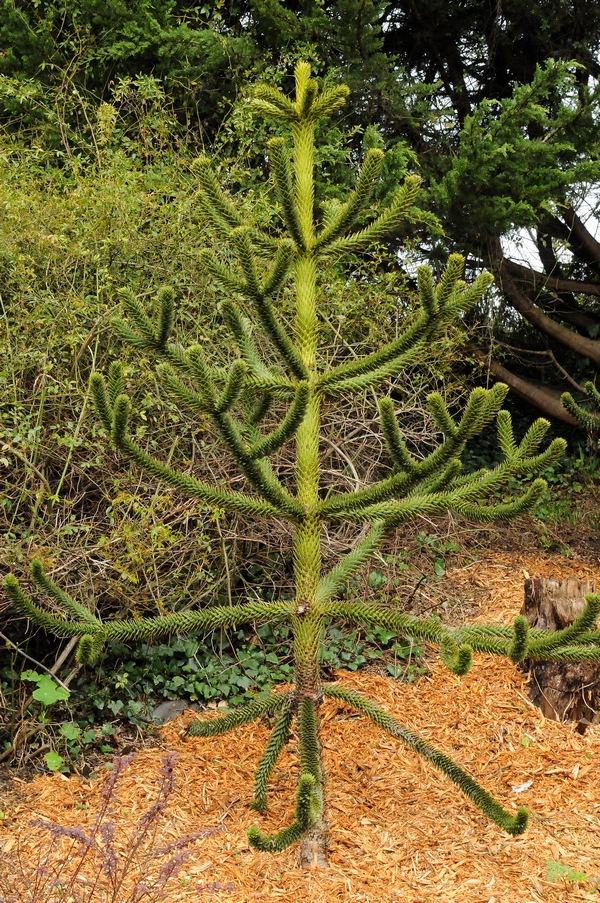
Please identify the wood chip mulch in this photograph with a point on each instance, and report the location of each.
(399, 830)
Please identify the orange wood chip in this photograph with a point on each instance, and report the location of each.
(399, 830)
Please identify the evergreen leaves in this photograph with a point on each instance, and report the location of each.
(588, 417)
(356, 203)
(264, 447)
(518, 648)
(388, 221)
(70, 605)
(265, 705)
(281, 172)
(256, 405)
(276, 843)
(512, 824)
(278, 739)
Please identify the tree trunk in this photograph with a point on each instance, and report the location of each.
(564, 691)
(314, 844)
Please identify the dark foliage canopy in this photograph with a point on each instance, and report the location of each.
(496, 99)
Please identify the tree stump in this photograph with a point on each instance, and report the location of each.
(564, 691)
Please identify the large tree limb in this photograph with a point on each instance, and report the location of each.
(579, 344)
(542, 281)
(542, 397)
(581, 242)
(556, 296)
(582, 237)
(563, 307)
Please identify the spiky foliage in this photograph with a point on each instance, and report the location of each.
(237, 402)
(588, 417)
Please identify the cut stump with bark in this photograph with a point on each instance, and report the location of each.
(564, 691)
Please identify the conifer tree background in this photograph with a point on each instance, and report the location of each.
(238, 402)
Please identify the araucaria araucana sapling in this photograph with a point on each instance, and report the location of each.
(237, 400)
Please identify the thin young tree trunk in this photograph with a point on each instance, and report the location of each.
(308, 622)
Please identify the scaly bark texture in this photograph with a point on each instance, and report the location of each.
(236, 401)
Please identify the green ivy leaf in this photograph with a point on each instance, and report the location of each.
(376, 579)
(384, 636)
(48, 692)
(70, 730)
(439, 567)
(396, 671)
(53, 760)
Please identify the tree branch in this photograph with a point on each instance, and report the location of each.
(541, 397)
(557, 284)
(578, 343)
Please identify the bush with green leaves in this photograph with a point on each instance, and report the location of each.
(229, 665)
(272, 394)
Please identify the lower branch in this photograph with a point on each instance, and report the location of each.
(381, 616)
(278, 739)
(212, 618)
(583, 624)
(24, 604)
(265, 705)
(275, 843)
(350, 563)
(512, 824)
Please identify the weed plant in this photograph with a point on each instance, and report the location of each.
(108, 862)
(571, 877)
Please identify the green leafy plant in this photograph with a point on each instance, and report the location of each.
(556, 871)
(437, 549)
(272, 393)
(231, 665)
(67, 741)
(47, 691)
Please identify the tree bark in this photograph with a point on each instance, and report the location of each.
(314, 845)
(581, 239)
(541, 397)
(564, 691)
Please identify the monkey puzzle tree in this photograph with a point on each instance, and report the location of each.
(237, 402)
(587, 413)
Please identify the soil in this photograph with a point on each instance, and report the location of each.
(399, 830)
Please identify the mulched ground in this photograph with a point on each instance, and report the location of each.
(399, 830)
